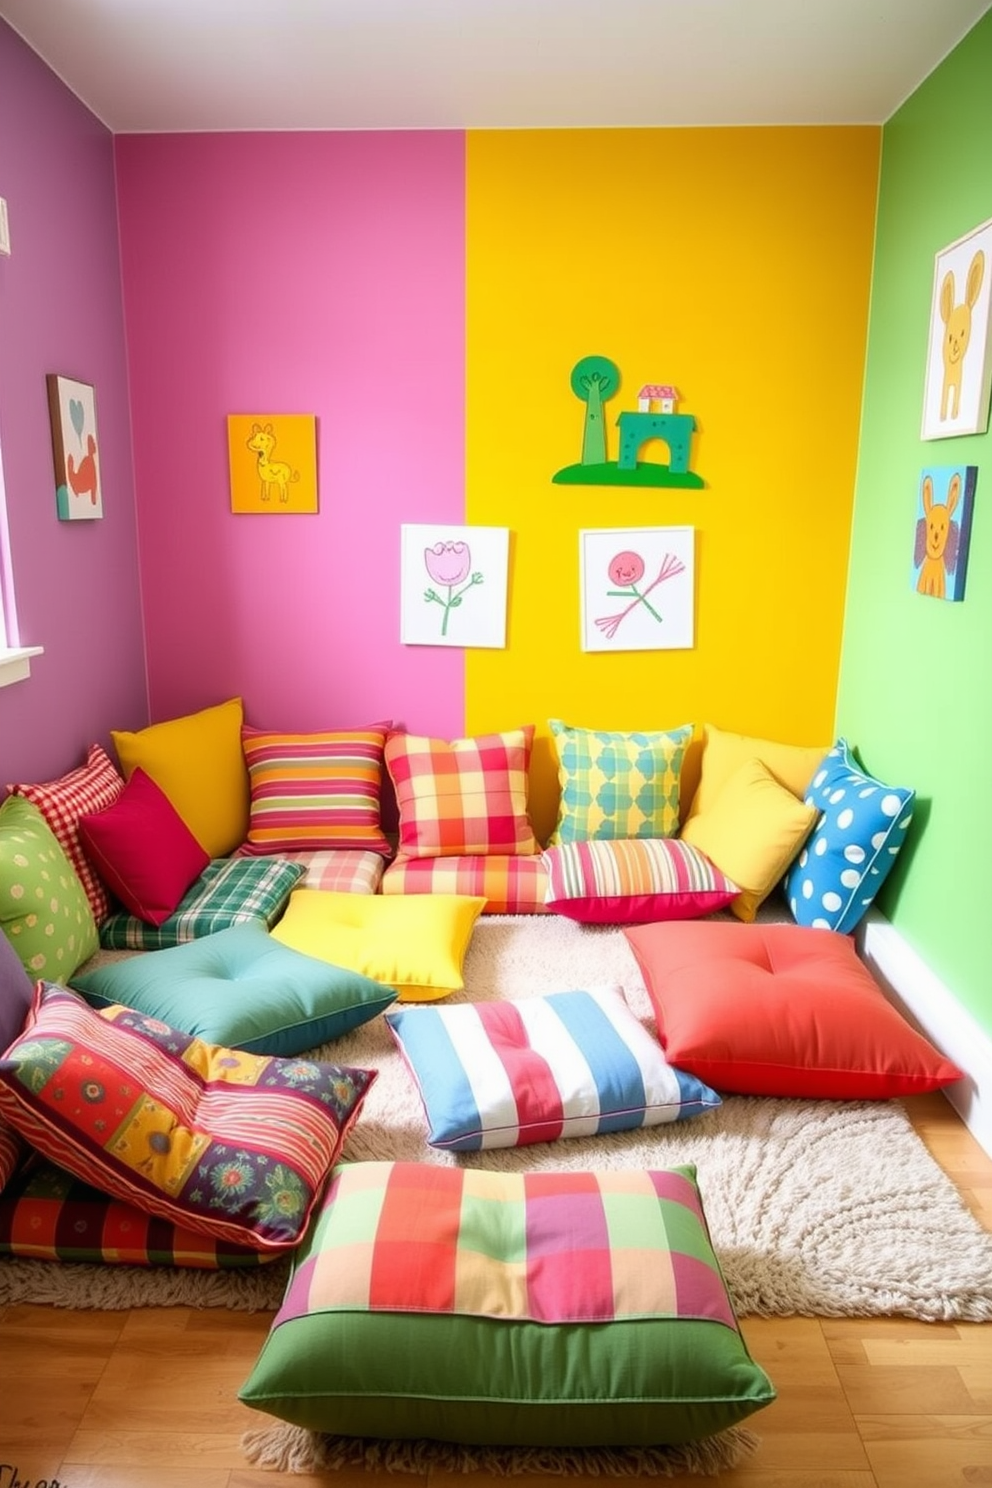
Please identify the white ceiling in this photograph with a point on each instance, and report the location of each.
(178, 65)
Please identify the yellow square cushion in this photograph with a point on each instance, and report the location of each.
(414, 943)
(198, 762)
(752, 831)
(723, 753)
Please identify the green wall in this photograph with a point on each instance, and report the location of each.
(915, 694)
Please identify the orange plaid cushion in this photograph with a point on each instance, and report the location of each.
(464, 797)
(509, 884)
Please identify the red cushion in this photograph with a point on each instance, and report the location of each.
(781, 1010)
(143, 850)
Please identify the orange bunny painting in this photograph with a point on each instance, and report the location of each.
(943, 530)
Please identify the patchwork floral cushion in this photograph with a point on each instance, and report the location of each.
(48, 1215)
(44, 911)
(237, 1146)
(569, 1064)
(463, 797)
(510, 884)
(547, 1309)
(635, 880)
(94, 786)
(861, 827)
(315, 790)
(229, 891)
(617, 785)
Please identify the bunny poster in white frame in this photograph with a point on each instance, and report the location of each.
(959, 353)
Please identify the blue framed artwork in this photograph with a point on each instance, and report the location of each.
(944, 507)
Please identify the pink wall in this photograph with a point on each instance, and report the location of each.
(294, 273)
(60, 311)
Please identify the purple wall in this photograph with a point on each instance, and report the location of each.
(60, 311)
(294, 273)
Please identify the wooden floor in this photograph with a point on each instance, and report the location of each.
(147, 1399)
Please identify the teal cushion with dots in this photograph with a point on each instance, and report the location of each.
(862, 826)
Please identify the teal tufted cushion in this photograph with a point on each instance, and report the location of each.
(242, 989)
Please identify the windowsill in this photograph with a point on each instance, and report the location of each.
(15, 663)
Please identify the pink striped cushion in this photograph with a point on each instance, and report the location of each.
(509, 885)
(92, 787)
(234, 1145)
(463, 797)
(318, 790)
(634, 880)
(12, 1149)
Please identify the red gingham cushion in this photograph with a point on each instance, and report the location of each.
(464, 797)
(509, 885)
(92, 787)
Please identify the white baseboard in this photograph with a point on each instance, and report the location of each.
(925, 1000)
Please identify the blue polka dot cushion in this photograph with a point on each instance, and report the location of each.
(861, 828)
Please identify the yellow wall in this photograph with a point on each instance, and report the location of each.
(735, 264)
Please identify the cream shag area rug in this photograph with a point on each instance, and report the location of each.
(294, 1449)
(827, 1208)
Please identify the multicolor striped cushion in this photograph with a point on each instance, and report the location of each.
(47, 1215)
(237, 1146)
(569, 1308)
(617, 785)
(509, 885)
(94, 786)
(463, 797)
(12, 1149)
(315, 790)
(570, 1064)
(230, 891)
(633, 881)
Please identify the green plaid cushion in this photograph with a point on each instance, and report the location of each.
(229, 891)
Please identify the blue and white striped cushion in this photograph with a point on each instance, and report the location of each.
(570, 1064)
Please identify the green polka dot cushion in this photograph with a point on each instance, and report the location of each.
(44, 910)
(617, 785)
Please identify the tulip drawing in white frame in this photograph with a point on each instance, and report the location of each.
(453, 585)
(637, 588)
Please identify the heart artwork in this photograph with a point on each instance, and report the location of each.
(78, 416)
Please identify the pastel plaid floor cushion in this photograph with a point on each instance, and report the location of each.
(48, 1215)
(570, 1308)
(509, 884)
(339, 870)
(229, 891)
